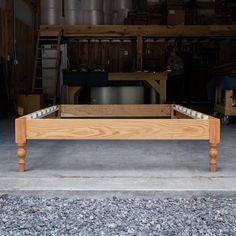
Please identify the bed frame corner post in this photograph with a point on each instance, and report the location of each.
(20, 138)
(214, 140)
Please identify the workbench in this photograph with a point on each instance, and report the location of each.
(155, 80)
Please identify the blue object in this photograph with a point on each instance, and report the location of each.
(225, 82)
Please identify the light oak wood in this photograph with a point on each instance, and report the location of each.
(213, 153)
(214, 140)
(214, 131)
(21, 153)
(20, 130)
(118, 129)
(197, 127)
(20, 138)
(148, 110)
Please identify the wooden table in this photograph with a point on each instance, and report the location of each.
(224, 106)
(155, 80)
(117, 122)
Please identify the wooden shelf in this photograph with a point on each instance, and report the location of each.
(141, 30)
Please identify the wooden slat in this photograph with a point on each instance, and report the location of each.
(118, 129)
(115, 110)
(189, 112)
(42, 113)
(147, 30)
(139, 52)
(52, 32)
(138, 76)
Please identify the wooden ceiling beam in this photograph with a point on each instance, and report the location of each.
(144, 31)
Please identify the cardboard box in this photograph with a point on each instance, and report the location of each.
(176, 16)
(30, 103)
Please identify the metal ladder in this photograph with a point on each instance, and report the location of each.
(47, 66)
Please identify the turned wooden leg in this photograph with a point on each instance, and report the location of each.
(213, 153)
(21, 153)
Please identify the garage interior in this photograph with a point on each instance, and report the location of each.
(117, 52)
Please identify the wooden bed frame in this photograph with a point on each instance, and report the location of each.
(117, 122)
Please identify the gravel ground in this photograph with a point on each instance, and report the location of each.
(25, 215)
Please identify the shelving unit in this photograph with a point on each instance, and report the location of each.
(138, 34)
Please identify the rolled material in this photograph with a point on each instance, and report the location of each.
(104, 95)
(51, 11)
(108, 6)
(108, 19)
(92, 5)
(93, 18)
(80, 20)
(73, 17)
(131, 95)
(50, 16)
(72, 5)
(119, 16)
(51, 4)
(117, 95)
(123, 4)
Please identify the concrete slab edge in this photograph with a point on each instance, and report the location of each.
(74, 194)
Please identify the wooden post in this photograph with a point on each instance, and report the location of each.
(228, 98)
(214, 140)
(73, 95)
(173, 113)
(162, 91)
(20, 138)
(139, 53)
(11, 45)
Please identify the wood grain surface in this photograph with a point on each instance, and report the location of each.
(117, 129)
(20, 130)
(137, 76)
(147, 110)
(147, 30)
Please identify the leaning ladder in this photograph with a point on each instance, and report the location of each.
(47, 65)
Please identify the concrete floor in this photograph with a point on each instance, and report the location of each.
(118, 166)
